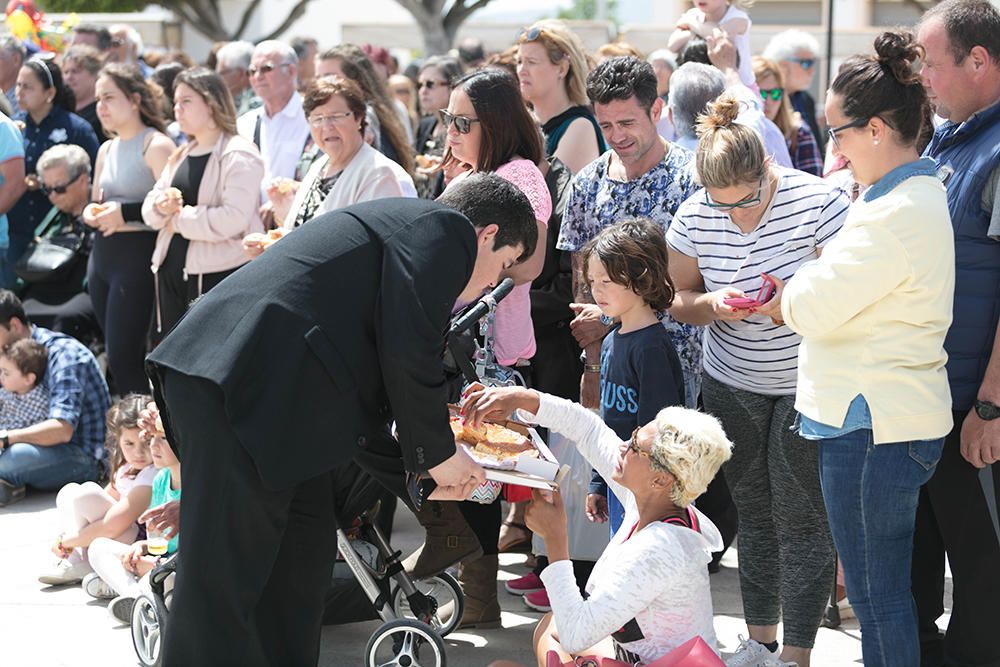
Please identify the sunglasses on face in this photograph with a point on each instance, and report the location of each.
(804, 63)
(463, 124)
(115, 43)
(266, 68)
(633, 446)
(57, 189)
(834, 131)
(746, 202)
(774, 93)
(430, 84)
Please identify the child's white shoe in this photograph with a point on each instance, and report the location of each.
(121, 609)
(96, 587)
(65, 572)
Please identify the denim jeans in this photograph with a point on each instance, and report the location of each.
(47, 468)
(871, 496)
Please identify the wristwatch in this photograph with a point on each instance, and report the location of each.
(5, 438)
(987, 411)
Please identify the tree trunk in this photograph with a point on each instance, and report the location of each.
(437, 41)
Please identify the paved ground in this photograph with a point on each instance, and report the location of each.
(50, 627)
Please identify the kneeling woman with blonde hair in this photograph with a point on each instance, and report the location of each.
(649, 592)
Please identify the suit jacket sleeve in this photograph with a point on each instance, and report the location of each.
(425, 268)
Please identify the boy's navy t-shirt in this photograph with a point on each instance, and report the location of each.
(640, 375)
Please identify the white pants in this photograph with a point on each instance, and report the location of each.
(106, 559)
(80, 505)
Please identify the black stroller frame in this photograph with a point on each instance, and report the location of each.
(415, 614)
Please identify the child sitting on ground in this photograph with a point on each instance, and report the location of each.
(88, 511)
(120, 569)
(24, 398)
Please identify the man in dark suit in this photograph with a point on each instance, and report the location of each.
(292, 369)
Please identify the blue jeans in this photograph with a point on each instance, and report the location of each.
(47, 468)
(871, 496)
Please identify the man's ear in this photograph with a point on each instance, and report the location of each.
(656, 110)
(487, 235)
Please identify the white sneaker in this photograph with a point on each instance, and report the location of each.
(121, 609)
(65, 572)
(96, 587)
(846, 610)
(752, 653)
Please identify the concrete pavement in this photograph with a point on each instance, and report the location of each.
(54, 626)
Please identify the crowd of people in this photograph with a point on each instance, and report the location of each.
(753, 318)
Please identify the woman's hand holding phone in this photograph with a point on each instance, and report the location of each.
(725, 311)
(772, 307)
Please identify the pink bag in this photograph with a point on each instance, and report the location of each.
(692, 653)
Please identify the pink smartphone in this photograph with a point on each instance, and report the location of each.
(763, 296)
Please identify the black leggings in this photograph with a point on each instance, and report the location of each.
(121, 288)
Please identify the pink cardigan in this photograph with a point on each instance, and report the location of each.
(228, 207)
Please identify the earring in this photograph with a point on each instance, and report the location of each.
(876, 142)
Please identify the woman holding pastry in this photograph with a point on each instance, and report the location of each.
(348, 172)
(649, 592)
(206, 199)
(118, 277)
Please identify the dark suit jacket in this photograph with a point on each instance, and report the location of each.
(331, 334)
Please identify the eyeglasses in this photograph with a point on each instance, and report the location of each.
(633, 446)
(58, 189)
(463, 124)
(833, 131)
(746, 202)
(266, 68)
(116, 42)
(774, 93)
(331, 119)
(805, 63)
(430, 84)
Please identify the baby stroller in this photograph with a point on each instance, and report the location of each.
(368, 578)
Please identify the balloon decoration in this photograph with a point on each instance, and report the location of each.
(26, 23)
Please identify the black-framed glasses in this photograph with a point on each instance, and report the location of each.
(834, 131)
(58, 189)
(463, 124)
(746, 202)
(430, 84)
(774, 93)
(805, 63)
(266, 68)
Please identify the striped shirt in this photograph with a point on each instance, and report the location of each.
(755, 354)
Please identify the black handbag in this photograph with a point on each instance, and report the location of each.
(52, 256)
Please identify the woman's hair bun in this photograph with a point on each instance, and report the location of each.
(722, 113)
(898, 52)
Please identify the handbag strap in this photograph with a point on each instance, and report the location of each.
(47, 221)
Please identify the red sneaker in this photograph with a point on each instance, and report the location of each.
(539, 600)
(529, 583)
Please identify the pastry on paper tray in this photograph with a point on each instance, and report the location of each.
(492, 440)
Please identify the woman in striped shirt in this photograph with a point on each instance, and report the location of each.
(754, 218)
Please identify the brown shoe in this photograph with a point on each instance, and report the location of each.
(479, 583)
(449, 540)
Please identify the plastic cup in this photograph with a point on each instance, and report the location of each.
(157, 546)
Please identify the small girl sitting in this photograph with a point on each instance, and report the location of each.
(120, 569)
(89, 512)
(626, 269)
(24, 399)
(730, 17)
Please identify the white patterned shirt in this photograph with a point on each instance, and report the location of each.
(24, 410)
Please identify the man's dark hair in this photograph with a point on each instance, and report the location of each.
(11, 307)
(487, 199)
(100, 33)
(471, 51)
(968, 23)
(301, 46)
(621, 78)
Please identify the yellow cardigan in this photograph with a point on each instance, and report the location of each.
(873, 312)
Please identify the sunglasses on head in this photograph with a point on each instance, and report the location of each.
(530, 35)
(805, 63)
(774, 93)
(430, 84)
(463, 124)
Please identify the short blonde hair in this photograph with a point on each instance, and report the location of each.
(561, 42)
(691, 446)
(729, 153)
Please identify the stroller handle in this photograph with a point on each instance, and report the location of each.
(482, 307)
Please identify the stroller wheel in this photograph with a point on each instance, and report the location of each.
(445, 603)
(405, 643)
(148, 616)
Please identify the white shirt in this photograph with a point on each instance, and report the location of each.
(282, 138)
(658, 576)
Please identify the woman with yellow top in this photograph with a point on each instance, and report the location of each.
(873, 312)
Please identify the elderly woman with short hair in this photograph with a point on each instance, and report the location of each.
(649, 592)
